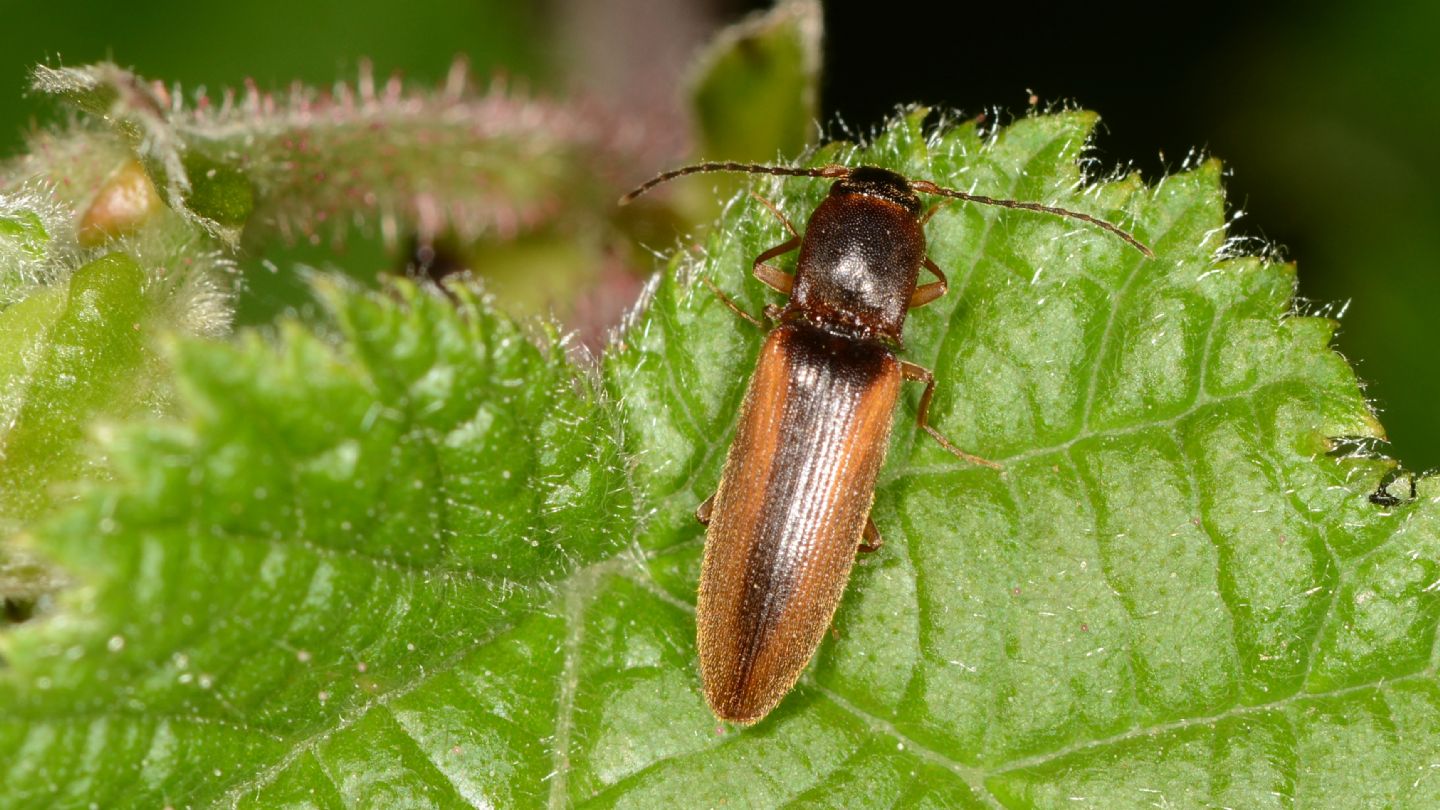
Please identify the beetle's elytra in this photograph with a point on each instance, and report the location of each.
(793, 505)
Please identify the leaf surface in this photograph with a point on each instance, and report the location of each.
(55, 341)
(345, 532)
(323, 589)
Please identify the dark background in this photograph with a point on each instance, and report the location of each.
(1326, 113)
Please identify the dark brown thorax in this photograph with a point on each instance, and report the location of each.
(861, 257)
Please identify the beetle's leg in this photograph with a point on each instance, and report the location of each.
(702, 512)
(734, 307)
(916, 373)
(777, 212)
(924, 218)
(926, 293)
(871, 541)
(774, 276)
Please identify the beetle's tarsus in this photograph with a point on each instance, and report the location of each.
(870, 541)
(702, 512)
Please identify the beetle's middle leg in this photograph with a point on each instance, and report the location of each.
(916, 373)
(772, 277)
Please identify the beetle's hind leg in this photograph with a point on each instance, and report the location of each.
(871, 541)
(916, 373)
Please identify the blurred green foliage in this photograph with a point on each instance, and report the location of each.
(52, 385)
(222, 45)
(272, 42)
(745, 97)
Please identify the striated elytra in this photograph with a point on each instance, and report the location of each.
(793, 505)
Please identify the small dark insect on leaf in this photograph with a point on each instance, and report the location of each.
(1386, 494)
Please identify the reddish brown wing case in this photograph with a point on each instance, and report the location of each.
(790, 511)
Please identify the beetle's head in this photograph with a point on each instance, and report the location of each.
(873, 181)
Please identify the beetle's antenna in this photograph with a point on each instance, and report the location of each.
(832, 170)
(927, 187)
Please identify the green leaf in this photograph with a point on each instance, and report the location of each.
(84, 301)
(29, 219)
(23, 235)
(322, 588)
(754, 97)
(757, 89)
(306, 164)
(218, 192)
(342, 541)
(71, 353)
